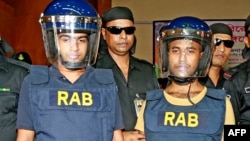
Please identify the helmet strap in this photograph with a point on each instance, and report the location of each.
(181, 81)
(184, 81)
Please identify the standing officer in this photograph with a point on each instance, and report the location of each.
(185, 109)
(237, 82)
(223, 43)
(12, 73)
(246, 50)
(70, 100)
(133, 76)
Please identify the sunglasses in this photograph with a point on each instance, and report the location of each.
(117, 30)
(227, 43)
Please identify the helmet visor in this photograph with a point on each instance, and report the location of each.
(73, 40)
(185, 57)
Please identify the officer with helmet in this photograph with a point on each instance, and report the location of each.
(70, 100)
(185, 109)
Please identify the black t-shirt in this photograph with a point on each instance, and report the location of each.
(141, 78)
(208, 82)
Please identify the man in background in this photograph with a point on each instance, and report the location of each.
(246, 50)
(237, 83)
(12, 73)
(223, 43)
(133, 76)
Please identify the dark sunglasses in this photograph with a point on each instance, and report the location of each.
(117, 30)
(227, 43)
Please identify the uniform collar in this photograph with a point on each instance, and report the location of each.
(54, 70)
(110, 63)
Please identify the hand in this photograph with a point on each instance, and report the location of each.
(133, 136)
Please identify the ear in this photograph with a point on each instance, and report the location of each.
(201, 55)
(246, 41)
(103, 33)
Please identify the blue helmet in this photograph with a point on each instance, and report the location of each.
(190, 28)
(70, 7)
(70, 16)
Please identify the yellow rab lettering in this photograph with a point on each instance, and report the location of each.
(87, 99)
(65, 99)
(75, 99)
(62, 97)
(169, 117)
(174, 119)
(180, 120)
(193, 120)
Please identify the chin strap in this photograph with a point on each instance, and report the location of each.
(184, 81)
(188, 96)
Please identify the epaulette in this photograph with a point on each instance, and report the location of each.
(234, 70)
(18, 63)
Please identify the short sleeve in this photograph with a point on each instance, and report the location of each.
(24, 119)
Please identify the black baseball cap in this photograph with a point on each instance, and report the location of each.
(221, 28)
(115, 13)
(23, 56)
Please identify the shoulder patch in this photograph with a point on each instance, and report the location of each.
(39, 74)
(227, 75)
(234, 70)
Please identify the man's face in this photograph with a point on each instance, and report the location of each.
(184, 56)
(118, 43)
(221, 51)
(73, 46)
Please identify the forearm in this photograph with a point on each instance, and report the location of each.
(117, 135)
(25, 135)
